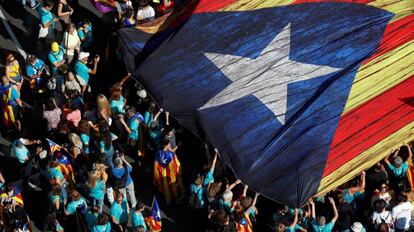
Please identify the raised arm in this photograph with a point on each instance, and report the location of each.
(125, 78)
(313, 210)
(95, 65)
(213, 164)
(336, 215)
(245, 190)
(410, 154)
(251, 208)
(238, 181)
(295, 219)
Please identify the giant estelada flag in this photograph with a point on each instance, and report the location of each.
(299, 96)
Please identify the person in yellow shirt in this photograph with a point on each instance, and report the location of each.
(13, 71)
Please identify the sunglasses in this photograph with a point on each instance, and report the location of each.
(384, 187)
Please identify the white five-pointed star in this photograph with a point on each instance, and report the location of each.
(266, 77)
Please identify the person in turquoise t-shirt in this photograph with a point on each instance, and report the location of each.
(132, 126)
(46, 18)
(85, 33)
(56, 56)
(96, 186)
(84, 129)
(102, 224)
(199, 188)
(92, 216)
(119, 211)
(400, 167)
(137, 218)
(82, 71)
(76, 205)
(320, 225)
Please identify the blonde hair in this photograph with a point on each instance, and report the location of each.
(104, 108)
(93, 177)
(75, 140)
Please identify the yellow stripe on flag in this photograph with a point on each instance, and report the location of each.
(367, 158)
(381, 74)
(400, 8)
(255, 4)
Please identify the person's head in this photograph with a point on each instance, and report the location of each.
(140, 207)
(384, 227)
(379, 205)
(63, 69)
(9, 58)
(53, 162)
(72, 28)
(5, 81)
(75, 140)
(321, 220)
(54, 48)
(31, 60)
(168, 130)
(221, 217)
(84, 127)
(19, 143)
(9, 188)
(118, 162)
(377, 167)
(48, 5)
(119, 197)
(116, 91)
(143, 3)
(401, 198)
(102, 219)
(129, 13)
(152, 108)
(165, 144)
(70, 76)
(86, 23)
(199, 180)
(74, 195)
(50, 104)
(93, 177)
(246, 202)
(357, 227)
(213, 190)
(228, 195)
(103, 105)
(281, 227)
(56, 190)
(83, 57)
(398, 161)
(131, 111)
(142, 94)
(383, 187)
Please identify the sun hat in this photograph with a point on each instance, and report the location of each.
(83, 55)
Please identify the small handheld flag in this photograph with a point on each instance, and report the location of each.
(154, 220)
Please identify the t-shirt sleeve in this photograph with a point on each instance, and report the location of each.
(51, 58)
(129, 169)
(81, 34)
(209, 178)
(330, 225)
(115, 213)
(30, 71)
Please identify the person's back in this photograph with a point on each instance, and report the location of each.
(401, 213)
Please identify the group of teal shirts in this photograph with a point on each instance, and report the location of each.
(200, 191)
(120, 213)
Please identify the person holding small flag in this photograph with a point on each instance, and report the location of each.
(167, 173)
(154, 220)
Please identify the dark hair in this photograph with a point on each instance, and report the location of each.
(140, 205)
(105, 134)
(401, 198)
(48, 3)
(102, 219)
(246, 202)
(152, 108)
(84, 127)
(85, 21)
(164, 143)
(129, 13)
(51, 222)
(168, 129)
(143, 3)
(379, 205)
(50, 105)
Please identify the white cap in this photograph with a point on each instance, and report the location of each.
(142, 93)
(357, 227)
(83, 55)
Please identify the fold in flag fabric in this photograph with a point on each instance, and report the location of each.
(299, 96)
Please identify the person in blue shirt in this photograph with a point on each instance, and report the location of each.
(400, 167)
(76, 205)
(34, 70)
(198, 190)
(56, 56)
(132, 125)
(319, 222)
(118, 172)
(82, 71)
(138, 218)
(85, 33)
(119, 211)
(102, 224)
(283, 226)
(350, 194)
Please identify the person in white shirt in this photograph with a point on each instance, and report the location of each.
(121, 7)
(381, 215)
(71, 42)
(401, 214)
(145, 11)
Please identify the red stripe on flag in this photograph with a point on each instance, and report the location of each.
(211, 6)
(396, 34)
(370, 123)
(348, 1)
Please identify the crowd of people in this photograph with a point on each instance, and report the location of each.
(97, 141)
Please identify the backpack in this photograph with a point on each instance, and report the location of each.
(121, 183)
(193, 201)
